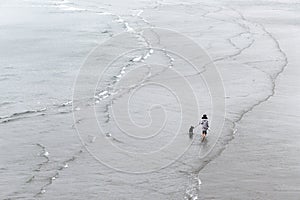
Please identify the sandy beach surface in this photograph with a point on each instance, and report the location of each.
(261, 161)
(97, 98)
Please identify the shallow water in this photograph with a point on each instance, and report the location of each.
(45, 44)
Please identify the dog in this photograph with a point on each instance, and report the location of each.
(191, 132)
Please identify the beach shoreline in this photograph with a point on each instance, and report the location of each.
(261, 162)
(46, 47)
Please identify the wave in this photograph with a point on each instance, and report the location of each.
(45, 154)
(39, 172)
(6, 103)
(22, 115)
(50, 180)
(60, 108)
(66, 5)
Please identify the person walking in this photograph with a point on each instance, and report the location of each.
(205, 126)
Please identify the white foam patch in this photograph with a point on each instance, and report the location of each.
(69, 8)
(137, 12)
(128, 28)
(104, 13)
(46, 153)
(61, 2)
(147, 56)
(103, 93)
(104, 97)
(137, 59)
(67, 103)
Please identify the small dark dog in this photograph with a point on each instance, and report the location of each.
(191, 132)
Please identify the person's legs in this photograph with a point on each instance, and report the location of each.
(203, 135)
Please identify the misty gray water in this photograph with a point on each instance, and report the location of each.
(43, 46)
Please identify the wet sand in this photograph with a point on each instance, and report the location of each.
(262, 161)
(253, 45)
